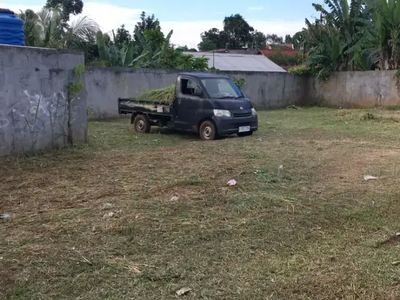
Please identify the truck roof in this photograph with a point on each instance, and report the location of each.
(203, 75)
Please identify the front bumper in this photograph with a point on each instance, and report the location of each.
(231, 125)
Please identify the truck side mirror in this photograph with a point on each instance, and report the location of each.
(198, 92)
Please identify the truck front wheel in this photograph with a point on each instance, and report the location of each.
(142, 124)
(208, 131)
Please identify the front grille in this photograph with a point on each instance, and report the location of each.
(242, 115)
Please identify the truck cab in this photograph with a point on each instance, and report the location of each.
(209, 104)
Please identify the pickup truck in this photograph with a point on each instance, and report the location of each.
(209, 104)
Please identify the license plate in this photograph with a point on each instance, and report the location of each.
(244, 129)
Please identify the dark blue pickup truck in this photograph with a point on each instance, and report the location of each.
(209, 104)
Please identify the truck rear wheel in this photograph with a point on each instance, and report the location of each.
(142, 124)
(208, 131)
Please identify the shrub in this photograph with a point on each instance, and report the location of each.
(301, 71)
(286, 60)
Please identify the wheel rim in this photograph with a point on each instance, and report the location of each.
(140, 125)
(207, 132)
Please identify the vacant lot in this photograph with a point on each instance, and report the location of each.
(140, 216)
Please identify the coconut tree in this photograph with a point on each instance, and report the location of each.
(45, 29)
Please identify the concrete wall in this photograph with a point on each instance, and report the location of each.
(271, 90)
(354, 89)
(105, 85)
(266, 90)
(33, 99)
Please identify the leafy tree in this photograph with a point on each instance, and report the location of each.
(238, 31)
(299, 40)
(122, 37)
(213, 39)
(259, 40)
(207, 45)
(186, 49)
(67, 7)
(274, 39)
(288, 39)
(146, 23)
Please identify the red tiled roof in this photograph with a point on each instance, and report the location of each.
(286, 49)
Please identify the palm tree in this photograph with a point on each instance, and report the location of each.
(44, 29)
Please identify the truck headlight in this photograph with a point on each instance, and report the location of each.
(222, 113)
(253, 111)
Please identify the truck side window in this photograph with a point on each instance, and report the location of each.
(188, 86)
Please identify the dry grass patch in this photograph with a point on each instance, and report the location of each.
(141, 216)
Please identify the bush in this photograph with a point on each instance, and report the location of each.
(301, 71)
(286, 60)
(239, 82)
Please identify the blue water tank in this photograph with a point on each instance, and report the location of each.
(11, 28)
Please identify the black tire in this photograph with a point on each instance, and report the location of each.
(208, 131)
(142, 124)
(242, 134)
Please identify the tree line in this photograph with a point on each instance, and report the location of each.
(146, 47)
(347, 35)
(237, 33)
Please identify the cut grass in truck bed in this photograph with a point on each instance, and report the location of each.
(140, 216)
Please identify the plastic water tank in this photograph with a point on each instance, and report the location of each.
(11, 28)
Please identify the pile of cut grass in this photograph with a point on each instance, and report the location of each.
(166, 95)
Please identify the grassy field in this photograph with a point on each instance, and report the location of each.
(134, 216)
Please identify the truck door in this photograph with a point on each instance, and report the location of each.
(188, 106)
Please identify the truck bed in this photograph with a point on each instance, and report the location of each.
(128, 106)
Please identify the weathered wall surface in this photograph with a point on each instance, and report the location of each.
(354, 89)
(271, 90)
(105, 85)
(33, 99)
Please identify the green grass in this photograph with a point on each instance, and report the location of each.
(301, 223)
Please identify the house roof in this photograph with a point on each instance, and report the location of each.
(271, 46)
(236, 51)
(203, 75)
(285, 49)
(238, 62)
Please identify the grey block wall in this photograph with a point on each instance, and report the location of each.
(105, 85)
(354, 89)
(270, 89)
(33, 99)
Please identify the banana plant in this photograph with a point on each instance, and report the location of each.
(112, 55)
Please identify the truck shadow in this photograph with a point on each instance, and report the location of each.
(187, 135)
(172, 132)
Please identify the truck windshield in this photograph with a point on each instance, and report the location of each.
(221, 88)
